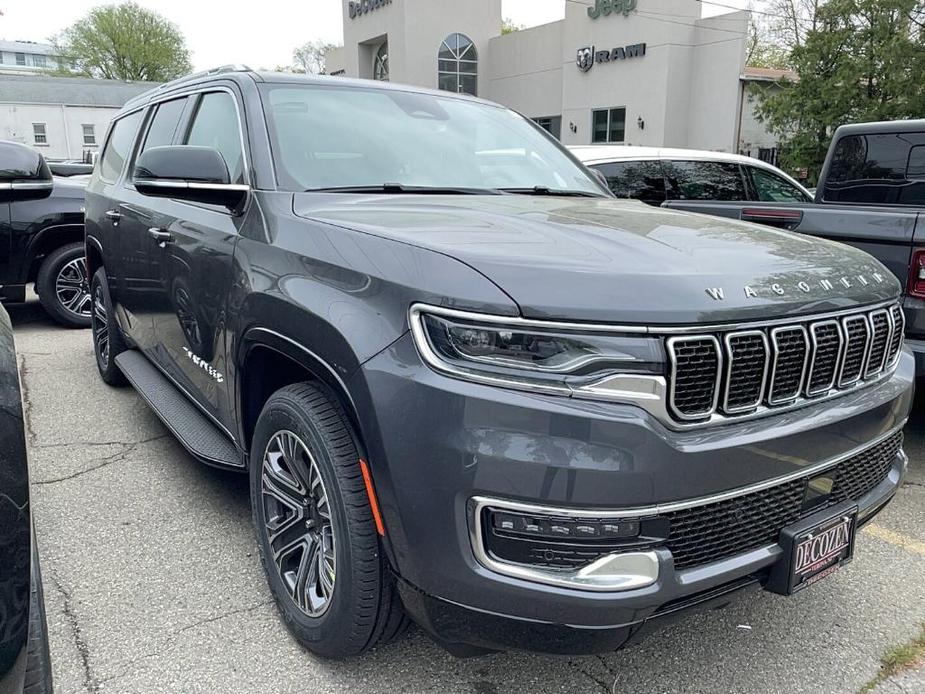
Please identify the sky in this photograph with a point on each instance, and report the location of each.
(260, 34)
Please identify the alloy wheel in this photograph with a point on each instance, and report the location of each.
(100, 323)
(299, 526)
(72, 287)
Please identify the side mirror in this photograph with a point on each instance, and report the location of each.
(186, 172)
(24, 175)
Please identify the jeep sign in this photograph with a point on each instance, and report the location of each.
(608, 7)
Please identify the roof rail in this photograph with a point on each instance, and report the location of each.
(232, 67)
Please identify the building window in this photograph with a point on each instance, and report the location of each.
(381, 63)
(608, 125)
(551, 124)
(38, 134)
(457, 65)
(20, 58)
(89, 134)
(39, 61)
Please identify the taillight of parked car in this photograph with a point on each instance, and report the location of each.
(916, 285)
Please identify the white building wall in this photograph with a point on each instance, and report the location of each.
(524, 70)
(753, 134)
(63, 126)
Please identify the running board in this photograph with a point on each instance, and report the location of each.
(198, 434)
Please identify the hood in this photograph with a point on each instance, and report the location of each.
(589, 259)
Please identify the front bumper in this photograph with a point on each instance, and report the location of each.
(435, 443)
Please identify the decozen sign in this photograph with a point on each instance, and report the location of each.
(608, 7)
(360, 7)
(587, 56)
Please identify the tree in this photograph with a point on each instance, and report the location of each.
(509, 27)
(861, 60)
(761, 50)
(124, 42)
(310, 57)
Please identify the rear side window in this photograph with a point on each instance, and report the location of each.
(216, 125)
(164, 124)
(769, 187)
(119, 146)
(881, 169)
(704, 180)
(639, 180)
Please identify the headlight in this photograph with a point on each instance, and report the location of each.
(528, 354)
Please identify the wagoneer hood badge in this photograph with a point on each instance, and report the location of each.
(754, 291)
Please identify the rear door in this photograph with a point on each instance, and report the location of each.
(196, 265)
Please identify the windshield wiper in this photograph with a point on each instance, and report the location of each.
(544, 190)
(396, 188)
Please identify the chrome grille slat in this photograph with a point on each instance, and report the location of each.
(696, 364)
(826, 340)
(739, 372)
(876, 355)
(788, 365)
(747, 357)
(856, 330)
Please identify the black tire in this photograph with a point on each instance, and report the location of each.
(363, 607)
(38, 661)
(108, 341)
(62, 286)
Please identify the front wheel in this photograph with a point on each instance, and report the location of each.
(315, 529)
(63, 286)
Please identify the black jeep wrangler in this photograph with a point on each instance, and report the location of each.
(468, 384)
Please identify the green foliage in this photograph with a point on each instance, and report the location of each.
(124, 42)
(310, 57)
(762, 50)
(508, 26)
(862, 61)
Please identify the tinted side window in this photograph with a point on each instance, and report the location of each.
(704, 180)
(640, 180)
(216, 125)
(879, 169)
(164, 124)
(772, 188)
(119, 146)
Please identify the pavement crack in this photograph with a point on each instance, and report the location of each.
(26, 399)
(116, 457)
(223, 615)
(91, 683)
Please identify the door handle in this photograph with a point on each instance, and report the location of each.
(161, 236)
(114, 215)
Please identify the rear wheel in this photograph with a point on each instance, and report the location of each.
(108, 341)
(63, 286)
(315, 529)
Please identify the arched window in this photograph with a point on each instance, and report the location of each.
(381, 63)
(457, 65)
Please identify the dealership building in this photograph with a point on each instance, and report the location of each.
(641, 72)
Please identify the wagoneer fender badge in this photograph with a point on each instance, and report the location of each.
(827, 285)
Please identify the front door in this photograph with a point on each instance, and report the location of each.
(195, 261)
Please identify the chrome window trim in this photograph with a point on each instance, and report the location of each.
(868, 372)
(806, 348)
(764, 376)
(673, 362)
(808, 391)
(868, 333)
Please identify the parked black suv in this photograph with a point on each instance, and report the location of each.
(468, 384)
(41, 241)
(25, 664)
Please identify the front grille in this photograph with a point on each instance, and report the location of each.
(695, 377)
(708, 533)
(781, 366)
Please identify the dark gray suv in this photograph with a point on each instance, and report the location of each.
(471, 387)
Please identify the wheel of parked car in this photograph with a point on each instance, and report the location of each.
(108, 341)
(315, 528)
(63, 286)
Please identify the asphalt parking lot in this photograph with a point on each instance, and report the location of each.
(153, 584)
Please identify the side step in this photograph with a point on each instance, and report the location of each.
(192, 428)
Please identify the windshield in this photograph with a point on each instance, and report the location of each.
(338, 137)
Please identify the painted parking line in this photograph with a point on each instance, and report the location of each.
(895, 538)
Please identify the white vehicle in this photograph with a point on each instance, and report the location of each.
(657, 174)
